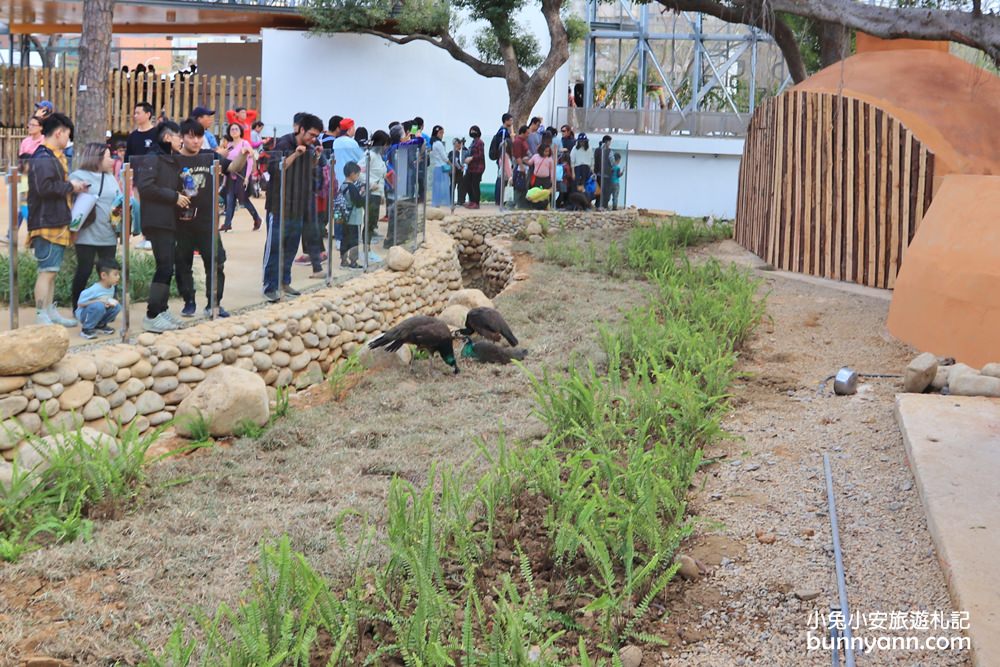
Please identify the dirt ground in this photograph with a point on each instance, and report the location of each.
(191, 541)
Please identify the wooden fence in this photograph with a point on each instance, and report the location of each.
(832, 187)
(21, 88)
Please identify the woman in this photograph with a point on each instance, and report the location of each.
(237, 184)
(441, 188)
(97, 239)
(476, 166)
(34, 139)
(377, 170)
(542, 167)
(582, 159)
(159, 183)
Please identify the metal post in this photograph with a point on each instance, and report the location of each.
(452, 173)
(425, 159)
(213, 277)
(590, 59)
(839, 562)
(330, 245)
(12, 235)
(281, 228)
(696, 66)
(365, 247)
(640, 93)
(126, 235)
(552, 179)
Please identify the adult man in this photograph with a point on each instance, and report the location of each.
(299, 154)
(332, 132)
(242, 117)
(499, 146)
(49, 213)
(140, 140)
(195, 229)
(602, 169)
(44, 109)
(534, 135)
(346, 149)
(521, 153)
(206, 117)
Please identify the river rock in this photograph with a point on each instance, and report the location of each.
(299, 362)
(261, 361)
(33, 348)
(400, 259)
(191, 374)
(68, 373)
(125, 358)
(165, 385)
(380, 359)
(313, 374)
(631, 656)
(284, 378)
(534, 228)
(12, 383)
(77, 395)
(85, 366)
(117, 398)
(177, 395)
(12, 405)
(165, 368)
(125, 413)
(454, 315)
(149, 402)
(106, 387)
(470, 298)
(96, 408)
(134, 387)
(141, 369)
(45, 378)
(227, 397)
(35, 455)
(992, 370)
(959, 369)
(62, 422)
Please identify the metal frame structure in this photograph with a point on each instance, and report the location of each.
(635, 26)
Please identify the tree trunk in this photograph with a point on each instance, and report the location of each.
(95, 66)
(834, 43)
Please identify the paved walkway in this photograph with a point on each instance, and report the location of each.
(953, 444)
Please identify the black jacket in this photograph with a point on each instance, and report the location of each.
(47, 191)
(158, 178)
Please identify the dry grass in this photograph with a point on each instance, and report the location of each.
(199, 528)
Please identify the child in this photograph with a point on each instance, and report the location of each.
(98, 307)
(349, 207)
(616, 179)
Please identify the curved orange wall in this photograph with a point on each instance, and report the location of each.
(951, 106)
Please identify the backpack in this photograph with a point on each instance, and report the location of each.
(341, 207)
(495, 145)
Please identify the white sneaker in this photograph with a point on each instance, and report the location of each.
(42, 317)
(158, 324)
(56, 318)
(177, 322)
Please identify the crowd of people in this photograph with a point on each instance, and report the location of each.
(319, 174)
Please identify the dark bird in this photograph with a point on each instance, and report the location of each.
(489, 353)
(488, 323)
(427, 333)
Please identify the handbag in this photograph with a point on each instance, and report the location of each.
(520, 181)
(88, 202)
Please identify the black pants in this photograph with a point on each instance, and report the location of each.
(188, 241)
(313, 238)
(472, 182)
(86, 258)
(162, 241)
(458, 194)
(349, 244)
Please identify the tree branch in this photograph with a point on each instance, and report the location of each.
(981, 32)
(752, 16)
(446, 42)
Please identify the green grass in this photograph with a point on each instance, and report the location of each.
(606, 488)
(78, 481)
(142, 266)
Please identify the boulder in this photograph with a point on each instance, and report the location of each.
(380, 359)
(36, 454)
(454, 315)
(436, 213)
(225, 398)
(940, 380)
(30, 349)
(920, 373)
(959, 369)
(534, 228)
(470, 298)
(992, 370)
(399, 259)
(973, 384)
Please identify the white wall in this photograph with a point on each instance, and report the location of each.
(375, 82)
(688, 175)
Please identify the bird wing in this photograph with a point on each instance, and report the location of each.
(491, 321)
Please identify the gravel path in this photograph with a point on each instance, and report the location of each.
(770, 485)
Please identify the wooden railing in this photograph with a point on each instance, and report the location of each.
(21, 88)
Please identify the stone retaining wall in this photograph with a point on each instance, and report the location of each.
(484, 240)
(291, 344)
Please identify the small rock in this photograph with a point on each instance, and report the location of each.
(11, 384)
(149, 402)
(689, 567)
(895, 506)
(96, 408)
(141, 369)
(630, 655)
(765, 537)
(920, 373)
(80, 393)
(191, 374)
(807, 594)
(906, 485)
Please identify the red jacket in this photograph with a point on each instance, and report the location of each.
(245, 124)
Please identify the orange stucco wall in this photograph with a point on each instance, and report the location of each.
(865, 43)
(947, 299)
(950, 105)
